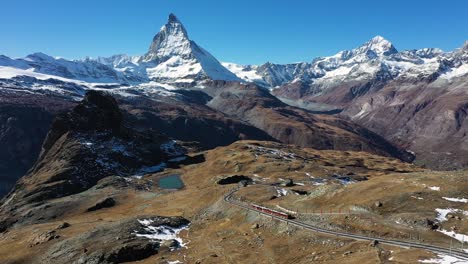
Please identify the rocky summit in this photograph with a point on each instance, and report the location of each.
(175, 157)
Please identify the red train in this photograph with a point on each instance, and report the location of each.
(271, 211)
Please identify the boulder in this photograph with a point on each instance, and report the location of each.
(287, 183)
(243, 183)
(44, 237)
(106, 203)
(432, 224)
(374, 243)
(170, 243)
(63, 225)
(235, 179)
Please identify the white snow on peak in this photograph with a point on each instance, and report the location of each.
(172, 55)
(363, 62)
(172, 40)
(377, 59)
(379, 45)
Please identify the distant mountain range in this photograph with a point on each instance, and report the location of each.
(175, 59)
(417, 99)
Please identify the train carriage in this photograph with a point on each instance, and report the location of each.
(271, 211)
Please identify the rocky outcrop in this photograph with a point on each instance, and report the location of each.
(126, 246)
(87, 144)
(22, 130)
(106, 203)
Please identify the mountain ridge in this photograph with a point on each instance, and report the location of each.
(173, 58)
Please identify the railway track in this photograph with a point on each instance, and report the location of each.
(452, 252)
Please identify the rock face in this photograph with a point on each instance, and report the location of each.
(97, 112)
(295, 126)
(22, 130)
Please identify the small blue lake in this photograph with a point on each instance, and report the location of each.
(171, 182)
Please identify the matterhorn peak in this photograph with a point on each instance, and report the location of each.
(172, 55)
(171, 40)
(378, 45)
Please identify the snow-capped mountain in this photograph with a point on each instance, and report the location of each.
(86, 70)
(173, 58)
(377, 58)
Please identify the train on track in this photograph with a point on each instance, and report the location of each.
(271, 211)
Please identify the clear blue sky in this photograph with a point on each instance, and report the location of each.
(242, 31)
